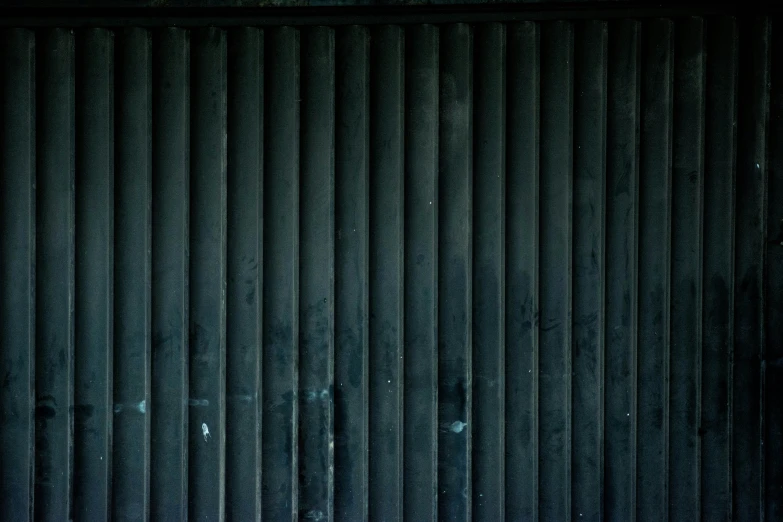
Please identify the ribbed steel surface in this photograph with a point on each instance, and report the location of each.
(466, 271)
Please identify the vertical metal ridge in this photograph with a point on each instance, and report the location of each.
(622, 273)
(488, 277)
(421, 273)
(653, 278)
(636, 35)
(386, 243)
(773, 441)
(699, 271)
(316, 273)
(687, 180)
(747, 452)
(351, 315)
(522, 265)
(94, 271)
(244, 361)
(170, 262)
(54, 264)
(280, 449)
(17, 272)
(555, 269)
(132, 275)
(717, 252)
(590, 102)
(732, 348)
(207, 276)
(454, 273)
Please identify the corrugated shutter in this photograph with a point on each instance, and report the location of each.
(526, 271)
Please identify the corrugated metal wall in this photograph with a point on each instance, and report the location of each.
(523, 271)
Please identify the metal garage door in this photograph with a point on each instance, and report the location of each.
(521, 269)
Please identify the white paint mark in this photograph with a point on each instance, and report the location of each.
(242, 398)
(205, 431)
(314, 515)
(141, 407)
(458, 426)
(198, 402)
(313, 395)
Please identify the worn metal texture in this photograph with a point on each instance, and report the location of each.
(521, 271)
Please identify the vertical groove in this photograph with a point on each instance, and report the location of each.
(132, 250)
(454, 273)
(352, 154)
(94, 268)
(718, 207)
(316, 268)
(555, 270)
(489, 274)
(17, 272)
(687, 183)
(522, 265)
(421, 274)
(753, 91)
(280, 456)
(386, 272)
(54, 356)
(170, 258)
(245, 124)
(773, 441)
(590, 69)
(621, 268)
(207, 278)
(654, 230)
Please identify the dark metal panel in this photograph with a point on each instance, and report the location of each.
(522, 264)
(94, 299)
(316, 269)
(421, 273)
(455, 206)
(686, 270)
(555, 270)
(280, 438)
(207, 278)
(773, 358)
(132, 276)
(750, 227)
(489, 174)
(621, 312)
(54, 278)
(17, 273)
(539, 279)
(244, 262)
(170, 260)
(718, 268)
(654, 235)
(351, 293)
(387, 95)
(590, 70)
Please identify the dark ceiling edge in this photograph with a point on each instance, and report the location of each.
(192, 16)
